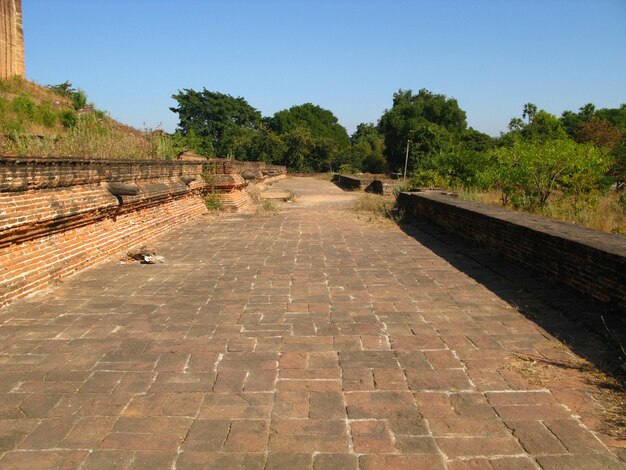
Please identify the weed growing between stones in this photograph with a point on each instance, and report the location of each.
(377, 208)
(213, 201)
(267, 207)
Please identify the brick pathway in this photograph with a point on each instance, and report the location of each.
(306, 339)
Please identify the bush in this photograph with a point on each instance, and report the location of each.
(528, 173)
(68, 118)
(78, 96)
(23, 107)
(213, 202)
(79, 99)
(48, 116)
(428, 179)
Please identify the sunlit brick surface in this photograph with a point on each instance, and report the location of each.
(306, 339)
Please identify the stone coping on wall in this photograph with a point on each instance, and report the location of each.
(587, 260)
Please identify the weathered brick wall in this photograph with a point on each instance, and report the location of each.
(589, 261)
(57, 215)
(251, 170)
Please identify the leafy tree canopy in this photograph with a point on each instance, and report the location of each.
(412, 117)
(368, 149)
(541, 126)
(476, 141)
(212, 116)
(320, 122)
(262, 146)
(314, 139)
(572, 121)
(528, 172)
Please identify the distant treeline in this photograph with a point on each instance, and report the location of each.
(579, 151)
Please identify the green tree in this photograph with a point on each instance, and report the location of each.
(218, 119)
(541, 126)
(476, 141)
(321, 122)
(529, 112)
(544, 126)
(516, 124)
(462, 162)
(587, 111)
(616, 116)
(326, 142)
(299, 148)
(603, 134)
(263, 146)
(571, 121)
(409, 117)
(368, 149)
(528, 172)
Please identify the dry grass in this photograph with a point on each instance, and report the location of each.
(376, 208)
(261, 206)
(607, 214)
(267, 207)
(14, 86)
(93, 136)
(36, 121)
(607, 391)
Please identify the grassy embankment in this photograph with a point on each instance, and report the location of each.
(37, 121)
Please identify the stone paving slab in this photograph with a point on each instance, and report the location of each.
(306, 339)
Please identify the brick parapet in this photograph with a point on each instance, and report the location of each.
(586, 260)
(257, 170)
(60, 215)
(20, 174)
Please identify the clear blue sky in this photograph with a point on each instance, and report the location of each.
(348, 56)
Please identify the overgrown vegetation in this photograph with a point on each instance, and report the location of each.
(267, 206)
(77, 96)
(213, 201)
(306, 138)
(53, 122)
(376, 208)
(570, 168)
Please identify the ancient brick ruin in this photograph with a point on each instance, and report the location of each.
(58, 216)
(11, 39)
